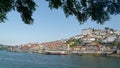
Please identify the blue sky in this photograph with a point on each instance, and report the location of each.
(48, 26)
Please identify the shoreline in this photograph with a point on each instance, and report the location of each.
(78, 54)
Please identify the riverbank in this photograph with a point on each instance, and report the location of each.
(114, 55)
(70, 53)
(103, 55)
(83, 54)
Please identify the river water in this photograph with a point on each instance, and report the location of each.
(27, 60)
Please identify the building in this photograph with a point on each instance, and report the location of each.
(87, 31)
(109, 39)
(93, 48)
(88, 38)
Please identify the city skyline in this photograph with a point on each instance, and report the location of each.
(48, 26)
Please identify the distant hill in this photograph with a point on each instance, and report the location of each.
(3, 47)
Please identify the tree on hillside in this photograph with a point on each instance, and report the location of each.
(111, 29)
(107, 28)
(96, 10)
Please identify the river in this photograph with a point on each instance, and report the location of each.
(27, 60)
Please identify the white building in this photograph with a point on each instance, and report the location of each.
(88, 40)
(103, 32)
(109, 39)
(117, 32)
(87, 31)
(78, 36)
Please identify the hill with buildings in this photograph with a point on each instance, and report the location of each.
(89, 41)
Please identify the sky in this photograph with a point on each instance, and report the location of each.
(49, 25)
